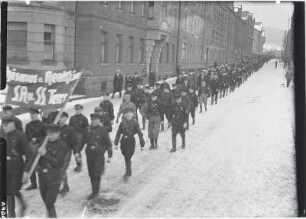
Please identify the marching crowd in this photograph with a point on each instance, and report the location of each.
(176, 104)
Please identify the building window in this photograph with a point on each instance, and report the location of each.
(17, 40)
(104, 46)
(119, 6)
(118, 48)
(161, 55)
(173, 53)
(143, 9)
(132, 7)
(167, 52)
(141, 51)
(186, 20)
(151, 9)
(184, 50)
(131, 49)
(49, 42)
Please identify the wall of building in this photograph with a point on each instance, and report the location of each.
(32, 19)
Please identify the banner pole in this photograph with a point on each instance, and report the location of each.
(35, 162)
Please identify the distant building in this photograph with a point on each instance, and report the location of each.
(259, 39)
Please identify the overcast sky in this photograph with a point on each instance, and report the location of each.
(271, 14)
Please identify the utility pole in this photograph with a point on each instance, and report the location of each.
(178, 38)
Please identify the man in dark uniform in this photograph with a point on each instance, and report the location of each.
(129, 90)
(50, 168)
(164, 84)
(193, 103)
(180, 79)
(104, 119)
(155, 115)
(98, 142)
(17, 170)
(69, 137)
(128, 80)
(158, 90)
(79, 123)
(145, 99)
(187, 102)
(128, 128)
(117, 83)
(152, 79)
(166, 100)
(107, 107)
(35, 132)
(50, 117)
(179, 116)
(214, 88)
(136, 80)
(139, 93)
(8, 112)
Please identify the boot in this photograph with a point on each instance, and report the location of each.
(162, 127)
(31, 187)
(173, 144)
(193, 121)
(201, 108)
(11, 206)
(78, 168)
(152, 143)
(155, 141)
(22, 203)
(51, 211)
(95, 189)
(33, 182)
(64, 190)
(183, 142)
(129, 168)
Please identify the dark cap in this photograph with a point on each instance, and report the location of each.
(8, 119)
(64, 114)
(157, 83)
(129, 85)
(98, 109)
(128, 110)
(7, 108)
(53, 128)
(34, 111)
(105, 94)
(95, 116)
(78, 106)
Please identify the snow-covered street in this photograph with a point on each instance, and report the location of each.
(239, 160)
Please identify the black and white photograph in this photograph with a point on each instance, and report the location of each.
(150, 109)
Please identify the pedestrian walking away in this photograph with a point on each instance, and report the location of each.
(127, 129)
